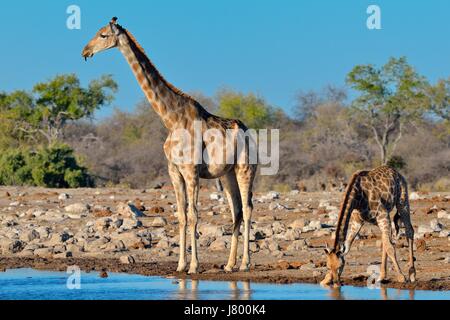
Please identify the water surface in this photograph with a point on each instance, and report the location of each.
(29, 284)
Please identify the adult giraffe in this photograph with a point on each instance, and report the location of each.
(178, 111)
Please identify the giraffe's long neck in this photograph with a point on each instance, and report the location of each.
(345, 213)
(166, 100)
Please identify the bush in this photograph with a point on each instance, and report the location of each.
(15, 168)
(52, 167)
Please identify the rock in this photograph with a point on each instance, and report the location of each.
(278, 227)
(283, 265)
(128, 210)
(159, 222)
(275, 206)
(291, 235)
(77, 208)
(414, 196)
(308, 267)
(63, 196)
(442, 214)
(163, 244)
(156, 210)
(218, 245)
(421, 245)
(211, 230)
(273, 246)
(16, 246)
(435, 225)
(425, 229)
(127, 259)
(132, 240)
(444, 233)
(129, 224)
(299, 223)
(103, 224)
(297, 245)
(29, 236)
(272, 195)
(14, 204)
(43, 252)
(102, 211)
(322, 233)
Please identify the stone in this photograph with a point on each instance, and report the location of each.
(299, 223)
(435, 225)
(16, 246)
(44, 252)
(128, 210)
(102, 211)
(444, 233)
(273, 246)
(215, 196)
(129, 224)
(218, 245)
(156, 210)
(414, 196)
(211, 230)
(131, 240)
(298, 245)
(442, 214)
(272, 195)
(29, 236)
(425, 229)
(278, 227)
(77, 208)
(63, 196)
(291, 235)
(127, 259)
(159, 222)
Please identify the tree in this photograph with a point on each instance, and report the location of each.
(249, 108)
(45, 111)
(390, 96)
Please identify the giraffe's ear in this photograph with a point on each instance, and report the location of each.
(114, 27)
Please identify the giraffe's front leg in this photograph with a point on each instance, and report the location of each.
(356, 224)
(192, 188)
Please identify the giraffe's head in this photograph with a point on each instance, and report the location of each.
(106, 38)
(335, 265)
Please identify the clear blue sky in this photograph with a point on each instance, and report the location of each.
(273, 48)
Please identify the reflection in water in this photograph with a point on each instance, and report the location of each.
(186, 292)
(336, 294)
(240, 294)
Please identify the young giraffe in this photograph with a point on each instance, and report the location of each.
(180, 111)
(370, 197)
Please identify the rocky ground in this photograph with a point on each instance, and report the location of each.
(136, 231)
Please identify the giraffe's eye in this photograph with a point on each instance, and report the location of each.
(103, 36)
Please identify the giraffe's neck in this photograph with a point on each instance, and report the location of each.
(166, 100)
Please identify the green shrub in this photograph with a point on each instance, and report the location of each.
(15, 168)
(52, 167)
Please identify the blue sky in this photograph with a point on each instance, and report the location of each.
(273, 48)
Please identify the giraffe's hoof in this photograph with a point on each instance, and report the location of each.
(244, 268)
(412, 275)
(181, 268)
(401, 279)
(228, 269)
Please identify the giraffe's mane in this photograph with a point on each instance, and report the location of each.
(169, 85)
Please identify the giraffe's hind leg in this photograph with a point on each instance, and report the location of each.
(245, 175)
(386, 238)
(406, 218)
(231, 189)
(180, 194)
